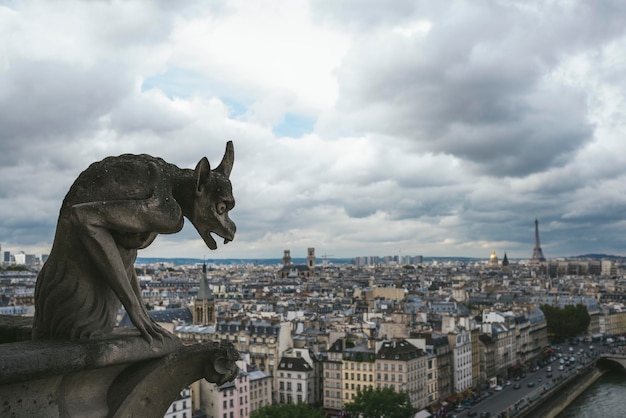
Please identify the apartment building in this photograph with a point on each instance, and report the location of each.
(403, 367)
(260, 390)
(332, 372)
(296, 381)
(358, 369)
(461, 348)
(432, 378)
(264, 339)
(231, 400)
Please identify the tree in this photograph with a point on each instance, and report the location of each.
(288, 410)
(566, 322)
(380, 403)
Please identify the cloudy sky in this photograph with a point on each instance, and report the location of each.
(363, 127)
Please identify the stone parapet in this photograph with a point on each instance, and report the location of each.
(118, 376)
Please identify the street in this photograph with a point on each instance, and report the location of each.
(509, 396)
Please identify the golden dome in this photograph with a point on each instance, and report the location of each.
(493, 259)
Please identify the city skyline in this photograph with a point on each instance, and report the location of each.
(423, 129)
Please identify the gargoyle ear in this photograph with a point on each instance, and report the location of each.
(226, 165)
(202, 173)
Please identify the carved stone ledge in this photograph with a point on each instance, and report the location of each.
(121, 376)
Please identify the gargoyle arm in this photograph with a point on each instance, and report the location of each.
(101, 246)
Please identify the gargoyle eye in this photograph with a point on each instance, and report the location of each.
(221, 208)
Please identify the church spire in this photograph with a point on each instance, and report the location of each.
(204, 305)
(204, 291)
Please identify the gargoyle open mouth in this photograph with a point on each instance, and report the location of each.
(210, 241)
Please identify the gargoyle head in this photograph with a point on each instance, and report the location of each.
(213, 199)
(223, 368)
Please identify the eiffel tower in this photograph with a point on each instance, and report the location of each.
(537, 253)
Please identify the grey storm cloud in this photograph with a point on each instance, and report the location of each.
(480, 85)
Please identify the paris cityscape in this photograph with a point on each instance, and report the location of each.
(455, 334)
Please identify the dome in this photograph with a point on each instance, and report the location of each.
(493, 259)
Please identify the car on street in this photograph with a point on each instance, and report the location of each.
(517, 386)
(531, 384)
(498, 388)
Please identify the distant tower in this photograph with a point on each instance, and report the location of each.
(505, 263)
(287, 258)
(204, 305)
(537, 253)
(310, 258)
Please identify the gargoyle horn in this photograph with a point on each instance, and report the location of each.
(226, 165)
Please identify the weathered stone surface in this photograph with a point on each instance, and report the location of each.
(15, 328)
(115, 207)
(114, 377)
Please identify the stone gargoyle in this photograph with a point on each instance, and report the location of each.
(114, 208)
